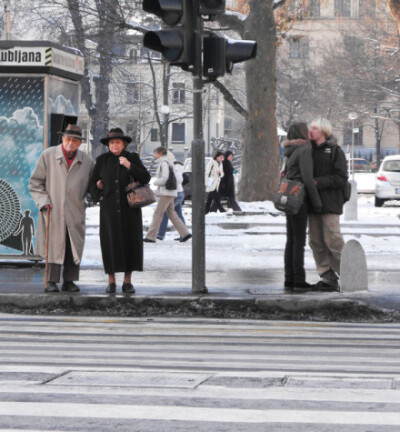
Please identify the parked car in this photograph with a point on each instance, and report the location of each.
(360, 165)
(187, 171)
(387, 186)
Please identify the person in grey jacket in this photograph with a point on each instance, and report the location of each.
(299, 166)
(166, 200)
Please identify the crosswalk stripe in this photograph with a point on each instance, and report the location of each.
(254, 372)
(197, 414)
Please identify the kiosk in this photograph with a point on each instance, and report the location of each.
(39, 96)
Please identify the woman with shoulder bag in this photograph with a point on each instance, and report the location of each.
(166, 200)
(299, 166)
(121, 227)
(214, 173)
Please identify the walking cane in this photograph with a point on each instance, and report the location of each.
(47, 246)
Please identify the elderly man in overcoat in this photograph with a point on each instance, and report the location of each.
(58, 185)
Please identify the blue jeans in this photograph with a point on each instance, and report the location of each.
(178, 208)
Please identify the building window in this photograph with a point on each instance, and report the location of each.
(132, 93)
(153, 54)
(154, 135)
(367, 8)
(354, 46)
(343, 8)
(133, 55)
(227, 124)
(178, 93)
(313, 8)
(178, 132)
(299, 47)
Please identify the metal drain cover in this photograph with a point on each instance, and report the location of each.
(130, 379)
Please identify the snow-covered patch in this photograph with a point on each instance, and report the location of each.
(256, 239)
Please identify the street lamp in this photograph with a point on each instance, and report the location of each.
(350, 209)
(352, 116)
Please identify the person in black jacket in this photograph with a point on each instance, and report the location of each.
(121, 227)
(330, 177)
(298, 166)
(227, 184)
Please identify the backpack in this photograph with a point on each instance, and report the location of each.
(347, 186)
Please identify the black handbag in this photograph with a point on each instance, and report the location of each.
(171, 182)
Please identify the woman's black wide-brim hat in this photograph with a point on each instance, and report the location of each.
(115, 133)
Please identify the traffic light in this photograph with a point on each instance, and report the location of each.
(211, 7)
(176, 44)
(220, 54)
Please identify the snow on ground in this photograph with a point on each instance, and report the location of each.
(257, 240)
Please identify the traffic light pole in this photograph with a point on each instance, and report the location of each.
(198, 169)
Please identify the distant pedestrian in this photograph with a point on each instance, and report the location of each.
(298, 166)
(166, 200)
(214, 173)
(330, 177)
(178, 200)
(58, 185)
(227, 184)
(121, 227)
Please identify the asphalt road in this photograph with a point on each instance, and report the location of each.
(101, 374)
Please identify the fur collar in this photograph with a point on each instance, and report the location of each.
(296, 143)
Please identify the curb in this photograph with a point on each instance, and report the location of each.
(278, 307)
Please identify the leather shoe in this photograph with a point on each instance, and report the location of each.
(111, 288)
(186, 238)
(69, 286)
(127, 288)
(146, 240)
(51, 287)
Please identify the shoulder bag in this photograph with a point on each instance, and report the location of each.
(139, 195)
(290, 195)
(171, 182)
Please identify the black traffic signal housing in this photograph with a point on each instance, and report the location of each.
(176, 44)
(211, 7)
(220, 54)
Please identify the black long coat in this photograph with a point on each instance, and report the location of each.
(121, 227)
(227, 185)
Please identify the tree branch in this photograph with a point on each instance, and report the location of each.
(230, 99)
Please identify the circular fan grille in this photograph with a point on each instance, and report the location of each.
(10, 210)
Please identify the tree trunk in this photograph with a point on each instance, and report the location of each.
(260, 165)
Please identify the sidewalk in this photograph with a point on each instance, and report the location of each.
(244, 264)
(166, 292)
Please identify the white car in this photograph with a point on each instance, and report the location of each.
(387, 186)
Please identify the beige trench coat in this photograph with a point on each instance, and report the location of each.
(52, 183)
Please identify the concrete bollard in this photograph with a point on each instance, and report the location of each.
(353, 268)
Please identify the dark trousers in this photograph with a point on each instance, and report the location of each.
(296, 232)
(213, 202)
(71, 270)
(233, 204)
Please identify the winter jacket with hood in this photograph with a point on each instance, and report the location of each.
(299, 166)
(330, 173)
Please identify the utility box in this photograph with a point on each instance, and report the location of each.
(39, 96)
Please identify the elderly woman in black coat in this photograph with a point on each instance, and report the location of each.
(121, 227)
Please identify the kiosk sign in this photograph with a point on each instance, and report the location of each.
(24, 56)
(41, 58)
